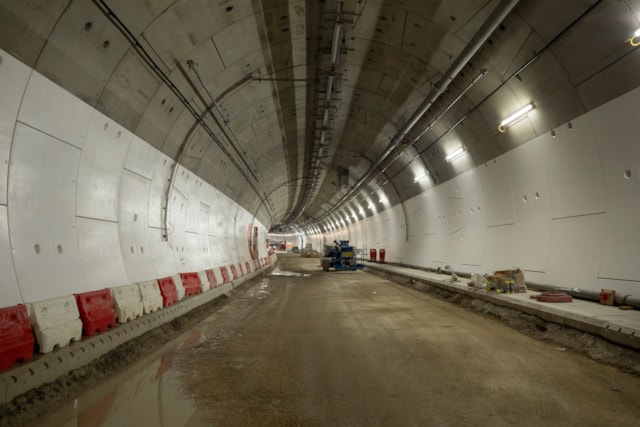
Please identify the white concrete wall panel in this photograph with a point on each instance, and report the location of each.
(496, 184)
(103, 155)
(176, 229)
(576, 250)
(42, 221)
(141, 158)
(196, 258)
(13, 81)
(498, 254)
(101, 254)
(41, 109)
(575, 170)
(9, 290)
(617, 129)
(134, 233)
(532, 197)
(164, 254)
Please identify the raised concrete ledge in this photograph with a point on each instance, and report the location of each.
(47, 367)
(618, 326)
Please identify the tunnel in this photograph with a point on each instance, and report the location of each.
(162, 151)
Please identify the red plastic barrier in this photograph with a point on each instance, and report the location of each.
(247, 267)
(191, 282)
(225, 274)
(212, 278)
(234, 273)
(97, 312)
(382, 255)
(16, 340)
(373, 255)
(168, 291)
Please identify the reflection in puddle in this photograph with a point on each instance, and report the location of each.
(277, 272)
(258, 291)
(148, 393)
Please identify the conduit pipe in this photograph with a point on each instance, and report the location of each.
(496, 17)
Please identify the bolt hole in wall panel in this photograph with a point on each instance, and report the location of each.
(42, 215)
(617, 129)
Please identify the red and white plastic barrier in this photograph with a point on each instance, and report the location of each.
(211, 277)
(180, 290)
(225, 275)
(205, 283)
(234, 272)
(96, 311)
(191, 283)
(150, 295)
(16, 341)
(55, 322)
(168, 291)
(128, 302)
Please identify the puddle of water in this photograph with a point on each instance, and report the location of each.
(148, 393)
(258, 291)
(277, 272)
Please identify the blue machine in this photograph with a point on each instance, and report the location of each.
(342, 256)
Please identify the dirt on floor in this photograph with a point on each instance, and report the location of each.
(566, 338)
(303, 347)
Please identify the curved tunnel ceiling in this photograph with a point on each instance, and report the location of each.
(297, 108)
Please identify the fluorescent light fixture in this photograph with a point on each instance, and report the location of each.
(325, 117)
(637, 33)
(515, 116)
(420, 176)
(383, 199)
(455, 155)
(355, 217)
(371, 206)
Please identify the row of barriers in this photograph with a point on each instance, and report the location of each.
(373, 255)
(57, 322)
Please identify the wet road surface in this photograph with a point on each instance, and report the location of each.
(312, 348)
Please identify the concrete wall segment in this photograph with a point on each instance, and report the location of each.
(13, 80)
(42, 221)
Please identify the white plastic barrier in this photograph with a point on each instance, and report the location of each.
(240, 269)
(180, 292)
(218, 275)
(204, 281)
(150, 296)
(55, 322)
(256, 264)
(128, 302)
